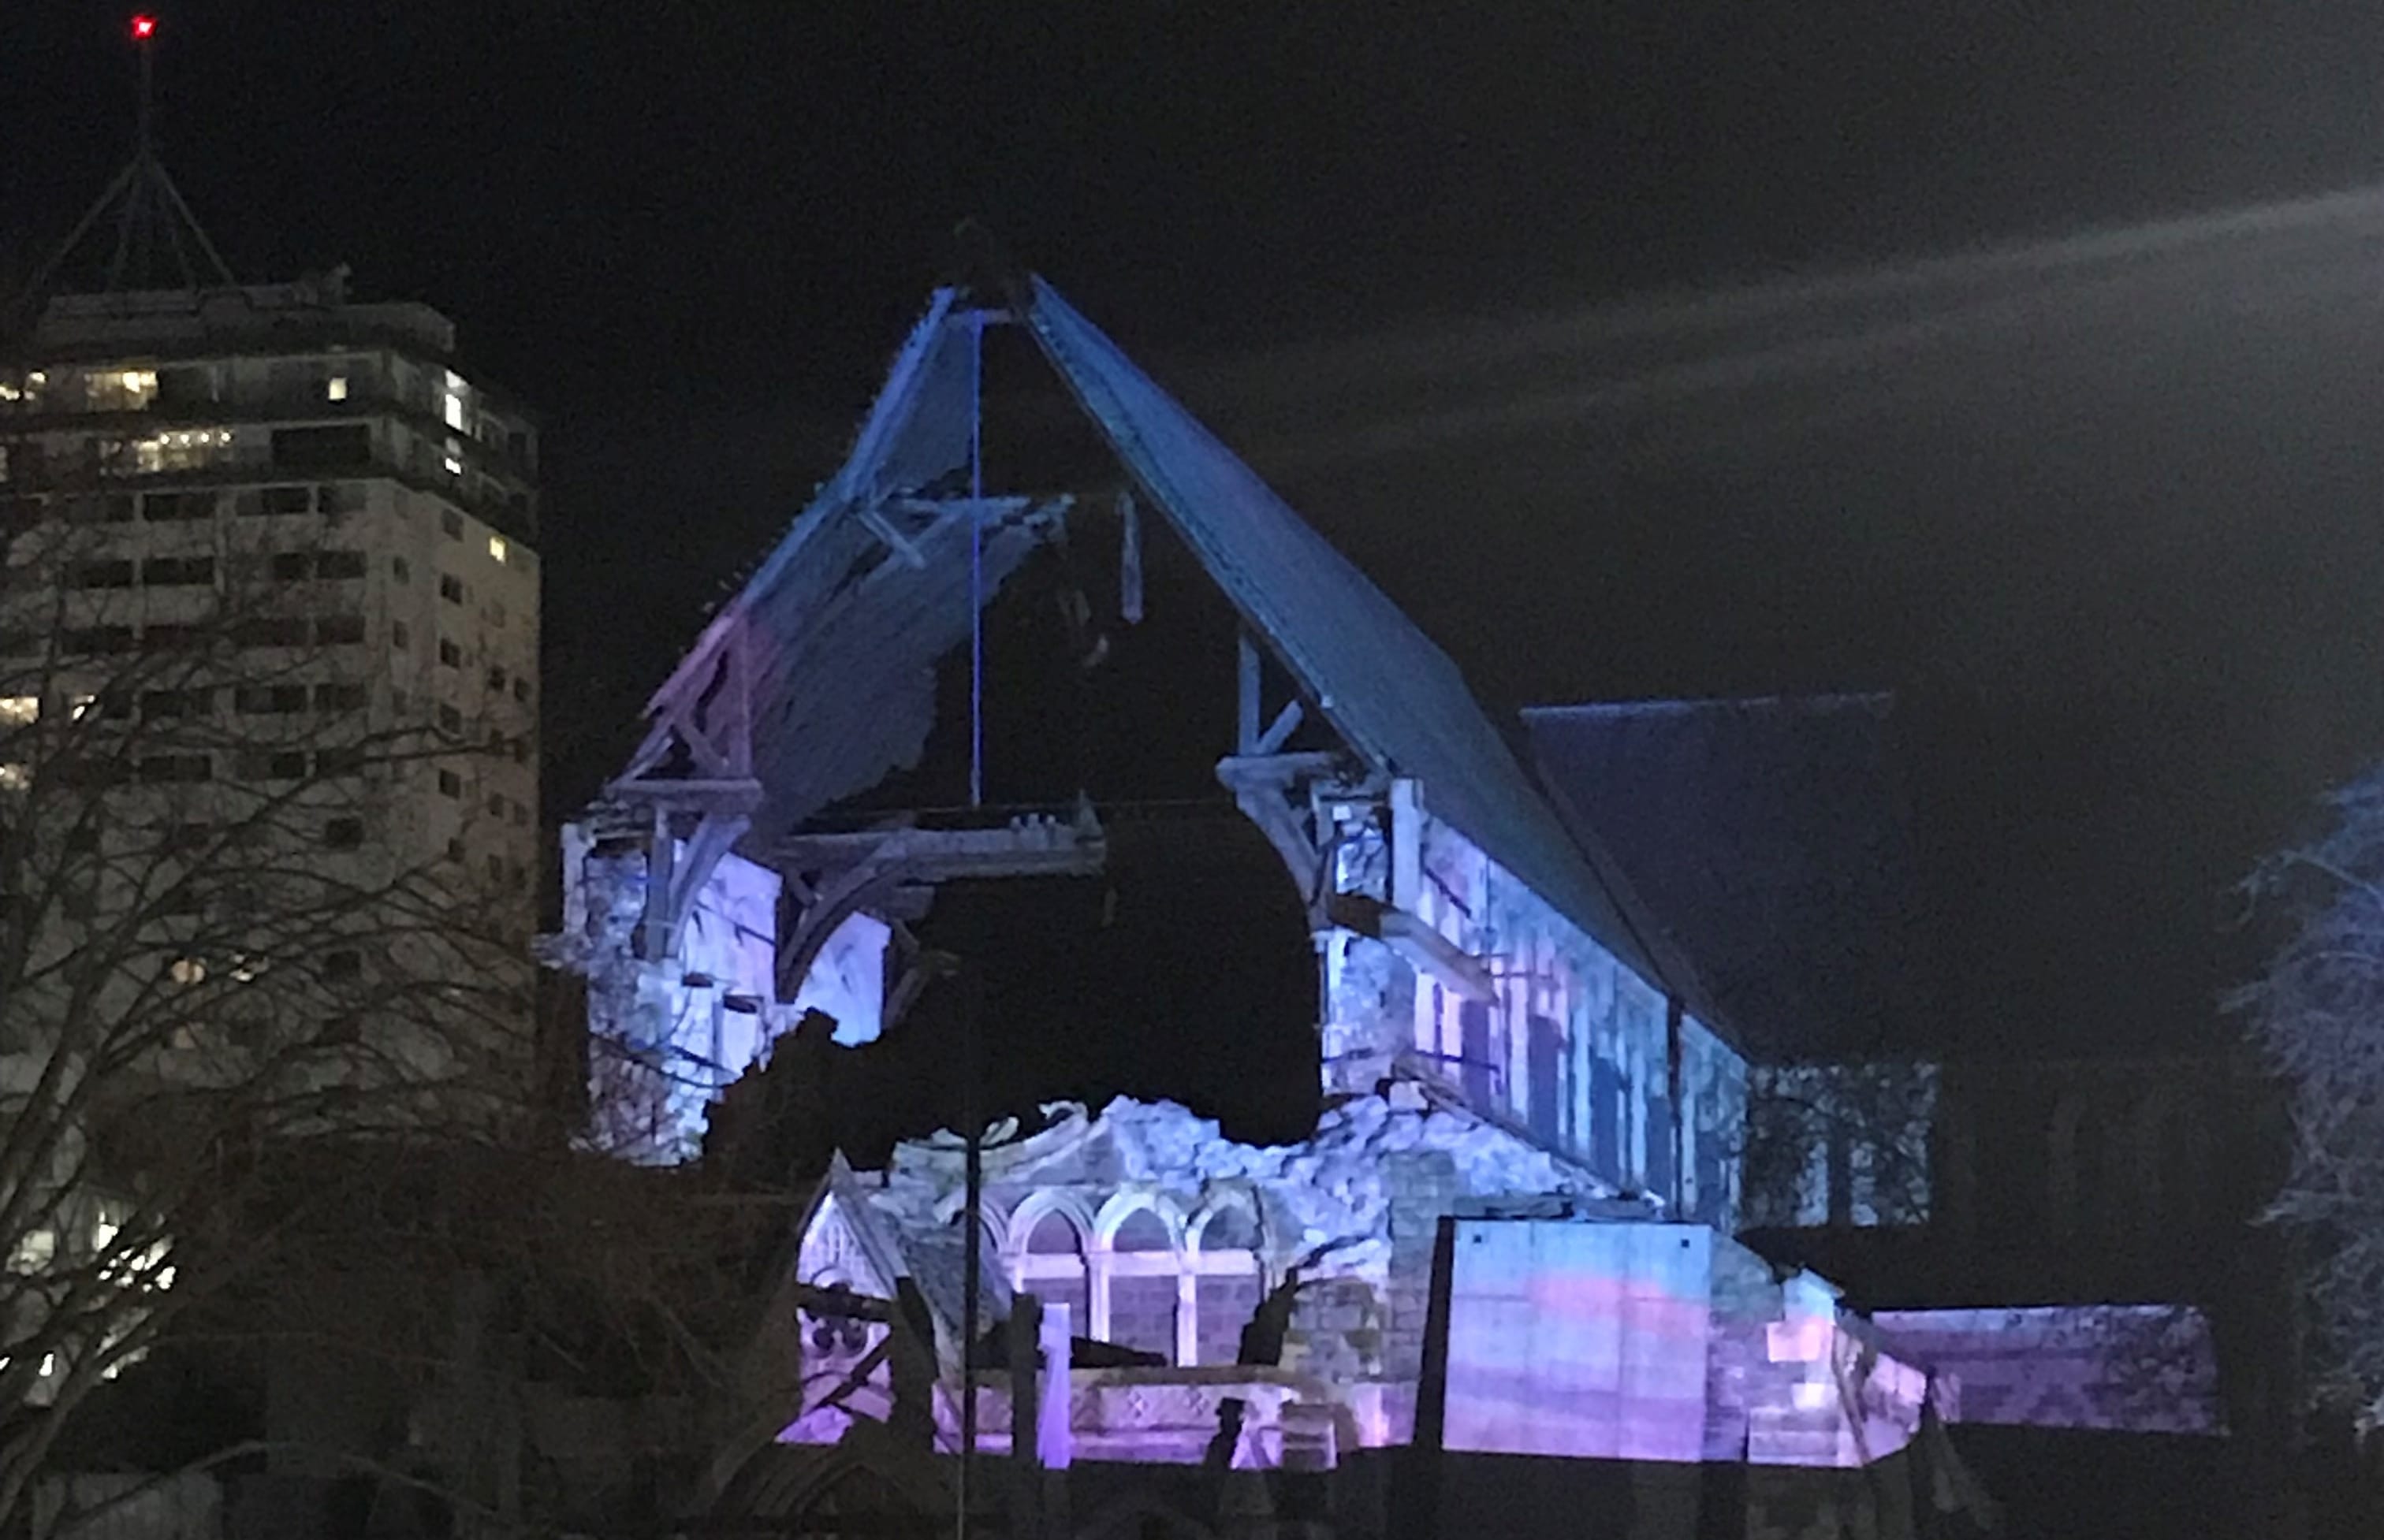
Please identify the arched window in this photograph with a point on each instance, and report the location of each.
(1226, 1282)
(2185, 1151)
(1954, 1155)
(2086, 1163)
(1144, 1288)
(2146, 1179)
(1050, 1266)
(2061, 1167)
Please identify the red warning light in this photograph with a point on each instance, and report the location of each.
(143, 28)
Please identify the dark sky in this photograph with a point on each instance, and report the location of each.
(2106, 511)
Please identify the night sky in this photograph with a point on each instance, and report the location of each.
(2106, 511)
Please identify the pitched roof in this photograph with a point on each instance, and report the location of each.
(1390, 692)
(870, 586)
(1770, 837)
(934, 1258)
(846, 618)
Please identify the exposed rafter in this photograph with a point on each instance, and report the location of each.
(832, 877)
(1281, 794)
(699, 745)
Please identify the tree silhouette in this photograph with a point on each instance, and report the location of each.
(227, 929)
(2316, 1013)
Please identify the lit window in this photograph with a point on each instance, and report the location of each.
(497, 546)
(121, 389)
(18, 710)
(33, 1252)
(336, 388)
(453, 466)
(173, 451)
(451, 403)
(14, 776)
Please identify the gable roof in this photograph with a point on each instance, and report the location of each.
(935, 1259)
(842, 623)
(1770, 836)
(850, 612)
(1392, 694)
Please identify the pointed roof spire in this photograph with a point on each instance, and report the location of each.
(154, 224)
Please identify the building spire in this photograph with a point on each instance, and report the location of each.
(154, 225)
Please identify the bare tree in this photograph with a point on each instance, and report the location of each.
(2316, 1014)
(226, 928)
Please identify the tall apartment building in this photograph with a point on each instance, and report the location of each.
(269, 776)
(281, 523)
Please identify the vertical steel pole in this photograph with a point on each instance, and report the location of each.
(972, 1243)
(976, 559)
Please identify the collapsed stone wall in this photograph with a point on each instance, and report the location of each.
(1355, 1209)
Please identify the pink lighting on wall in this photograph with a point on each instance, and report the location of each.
(1802, 1341)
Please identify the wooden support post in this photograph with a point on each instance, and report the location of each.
(1407, 846)
(1675, 1083)
(1246, 734)
(1416, 1503)
(1055, 1448)
(1022, 1345)
(654, 932)
(1286, 722)
(1129, 558)
(911, 1366)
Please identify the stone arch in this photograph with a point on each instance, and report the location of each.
(1048, 1252)
(1226, 1277)
(1024, 1219)
(1123, 1207)
(1140, 1287)
(1230, 1204)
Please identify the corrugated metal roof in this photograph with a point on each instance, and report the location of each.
(1390, 692)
